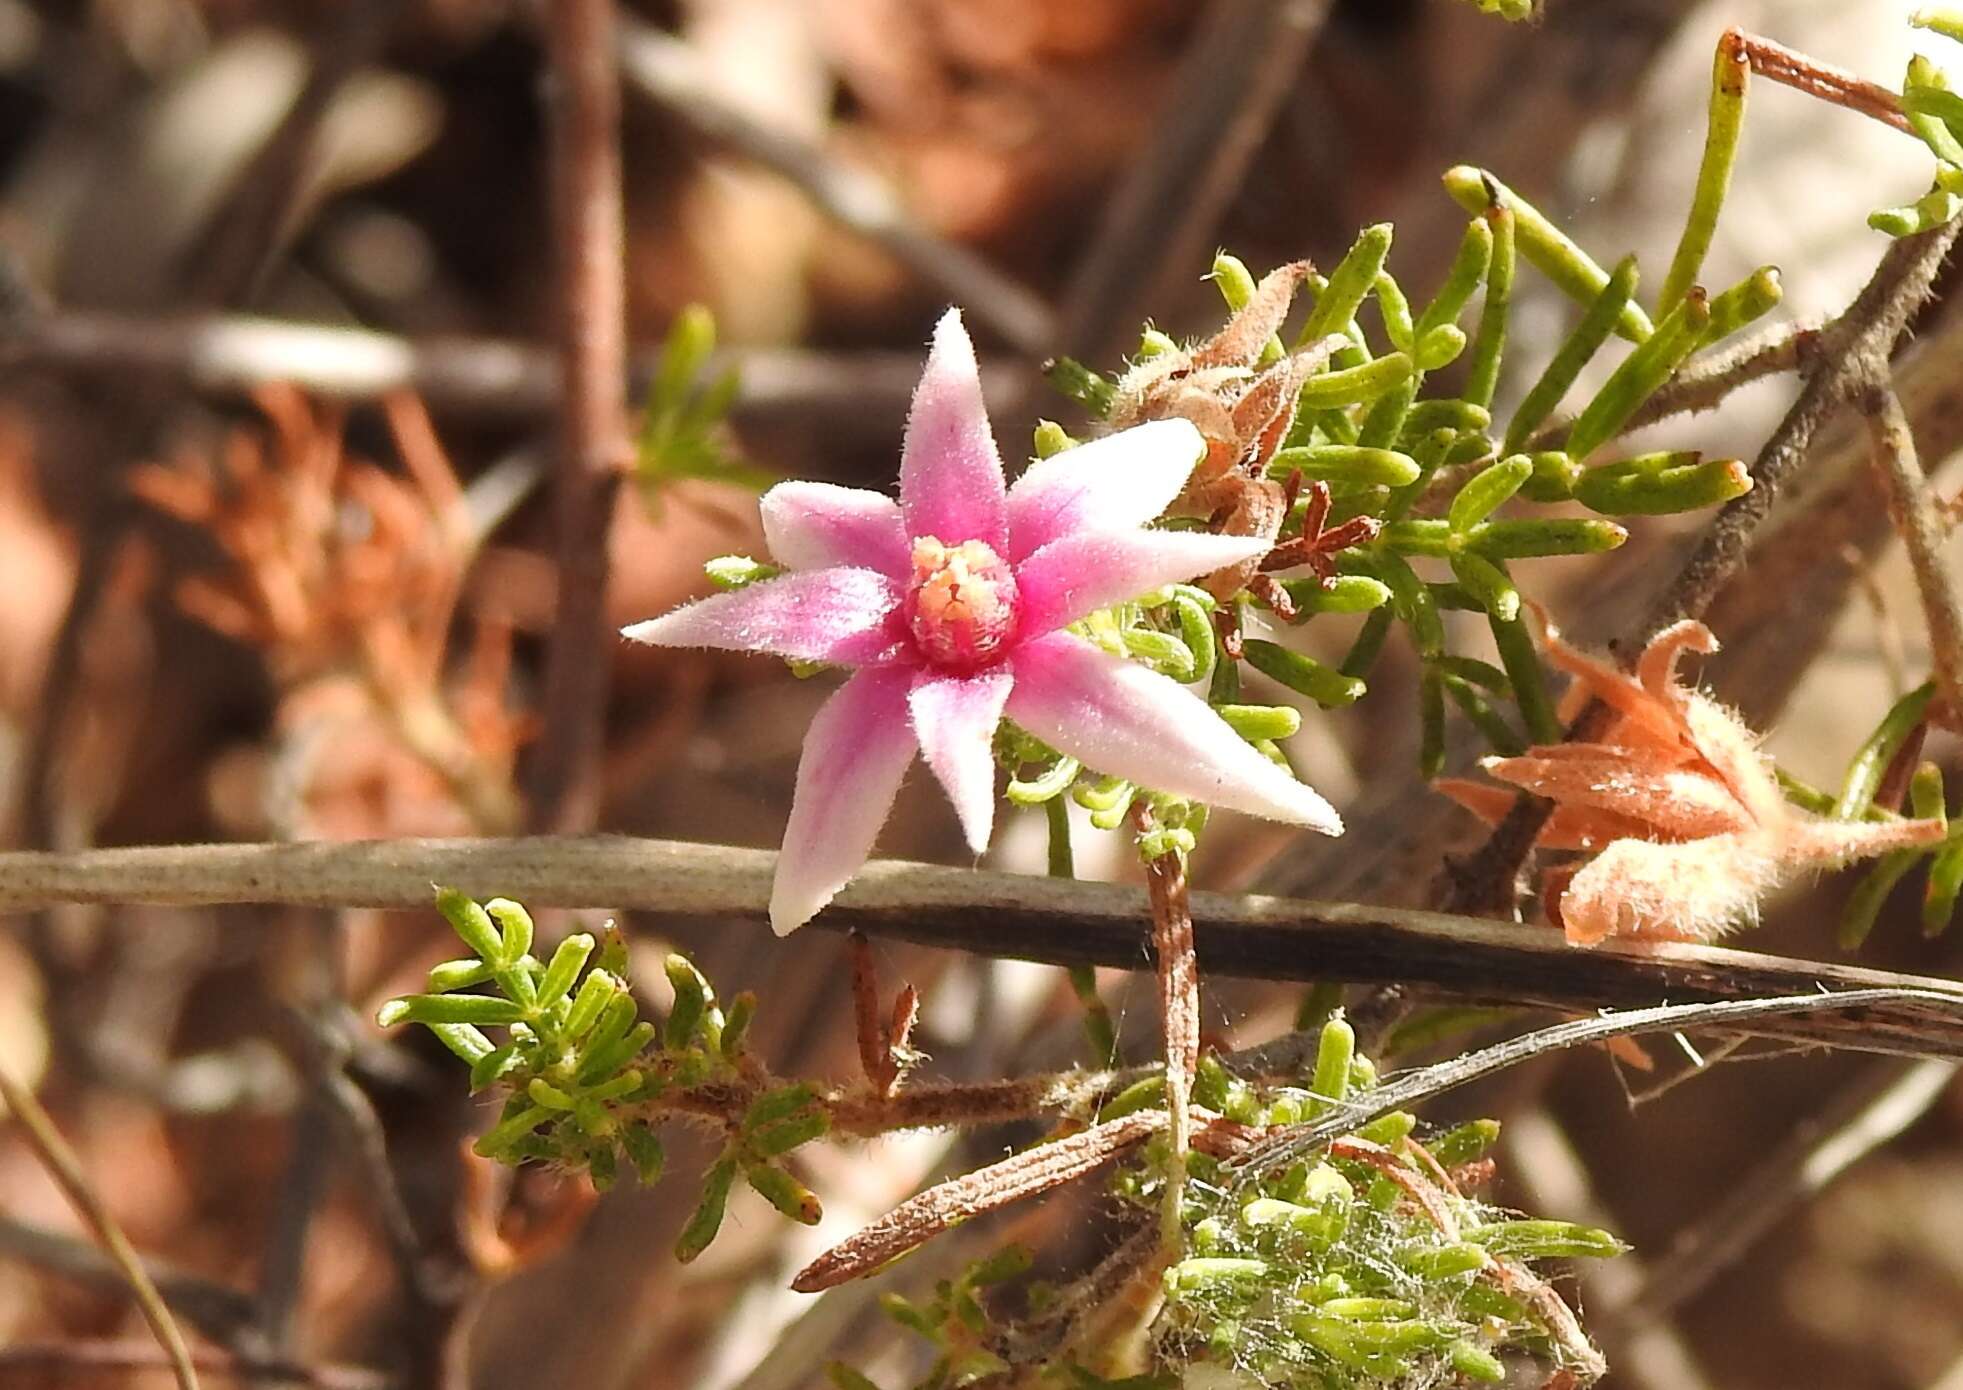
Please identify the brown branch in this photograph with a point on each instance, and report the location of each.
(588, 229)
(1058, 921)
(665, 70)
(61, 1164)
(1913, 511)
(1709, 378)
(920, 1218)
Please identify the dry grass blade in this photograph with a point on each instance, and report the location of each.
(916, 1221)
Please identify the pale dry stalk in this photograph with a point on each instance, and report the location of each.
(66, 1170)
(1913, 510)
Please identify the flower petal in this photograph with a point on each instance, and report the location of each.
(815, 526)
(950, 474)
(847, 616)
(1122, 719)
(954, 717)
(855, 754)
(1119, 481)
(1076, 574)
(1690, 892)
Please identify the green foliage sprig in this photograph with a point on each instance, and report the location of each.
(584, 1076)
(683, 433)
(1884, 756)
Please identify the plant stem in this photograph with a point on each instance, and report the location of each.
(1911, 508)
(594, 449)
(1057, 921)
(66, 1170)
(1179, 1012)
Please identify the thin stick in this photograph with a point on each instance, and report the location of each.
(1027, 917)
(594, 451)
(66, 1170)
(1413, 1087)
(1913, 511)
(665, 70)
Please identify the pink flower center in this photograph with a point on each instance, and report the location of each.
(961, 604)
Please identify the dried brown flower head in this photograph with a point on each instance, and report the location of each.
(348, 577)
(1243, 409)
(1690, 820)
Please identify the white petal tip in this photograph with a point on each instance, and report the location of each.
(1311, 812)
(786, 917)
(643, 632)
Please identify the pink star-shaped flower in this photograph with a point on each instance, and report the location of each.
(952, 603)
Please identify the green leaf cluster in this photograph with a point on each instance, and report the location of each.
(1935, 113)
(1894, 739)
(683, 431)
(954, 1321)
(1328, 1275)
(581, 1072)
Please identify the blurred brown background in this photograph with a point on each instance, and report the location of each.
(232, 610)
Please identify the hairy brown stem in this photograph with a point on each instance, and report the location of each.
(594, 450)
(921, 1218)
(1179, 1014)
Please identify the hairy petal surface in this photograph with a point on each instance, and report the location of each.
(849, 617)
(954, 717)
(1690, 892)
(1119, 481)
(1671, 802)
(950, 474)
(815, 526)
(855, 754)
(1077, 574)
(1122, 719)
